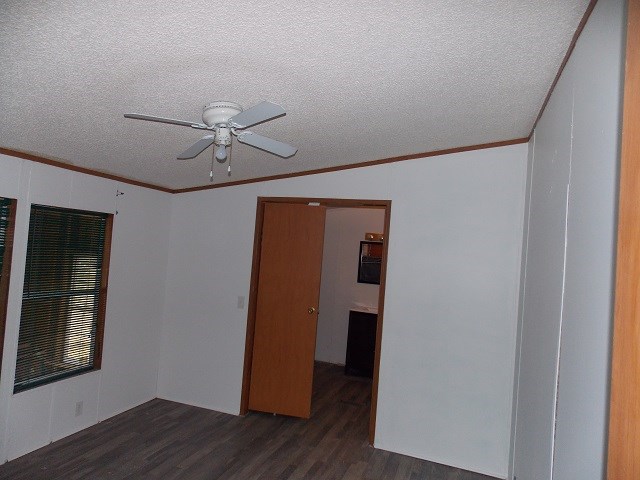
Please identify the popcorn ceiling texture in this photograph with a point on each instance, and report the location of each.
(360, 81)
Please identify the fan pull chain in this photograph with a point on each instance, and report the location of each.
(229, 166)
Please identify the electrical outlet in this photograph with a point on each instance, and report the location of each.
(78, 409)
(241, 301)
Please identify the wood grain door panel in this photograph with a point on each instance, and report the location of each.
(624, 408)
(285, 330)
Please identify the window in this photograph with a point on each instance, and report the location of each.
(7, 217)
(64, 295)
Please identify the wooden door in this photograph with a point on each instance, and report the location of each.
(287, 309)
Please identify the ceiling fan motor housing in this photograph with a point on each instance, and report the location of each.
(219, 112)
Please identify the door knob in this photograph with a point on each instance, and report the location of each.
(311, 310)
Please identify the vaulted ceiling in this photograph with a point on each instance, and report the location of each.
(360, 81)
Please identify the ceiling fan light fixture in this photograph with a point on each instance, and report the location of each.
(221, 153)
(226, 120)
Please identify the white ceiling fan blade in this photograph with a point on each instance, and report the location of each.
(151, 118)
(197, 148)
(257, 114)
(267, 144)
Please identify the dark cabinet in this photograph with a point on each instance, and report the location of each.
(361, 343)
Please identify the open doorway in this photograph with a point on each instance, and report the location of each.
(380, 205)
(345, 340)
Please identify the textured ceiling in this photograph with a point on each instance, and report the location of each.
(360, 81)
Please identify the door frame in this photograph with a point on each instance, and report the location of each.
(623, 461)
(253, 291)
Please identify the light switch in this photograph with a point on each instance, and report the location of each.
(241, 301)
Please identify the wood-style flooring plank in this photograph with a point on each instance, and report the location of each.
(170, 441)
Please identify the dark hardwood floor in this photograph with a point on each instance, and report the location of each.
(167, 440)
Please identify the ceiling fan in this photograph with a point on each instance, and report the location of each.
(225, 120)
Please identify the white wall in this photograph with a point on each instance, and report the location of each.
(447, 359)
(33, 418)
(339, 288)
(564, 366)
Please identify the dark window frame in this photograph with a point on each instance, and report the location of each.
(5, 271)
(60, 317)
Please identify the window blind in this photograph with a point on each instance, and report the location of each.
(5, 216)
(7, 211)
(61, 314)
